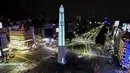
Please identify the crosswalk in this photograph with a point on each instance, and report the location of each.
(11, 64)
(23, 58)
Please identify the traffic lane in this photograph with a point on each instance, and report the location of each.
(20, 62)
(16, 59)
(6, 67)
(36, 55)
(43, 51)
(94, 37)
(46, 66)
(103, 63)
(96, 32)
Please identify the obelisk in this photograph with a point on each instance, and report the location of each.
(61, 37)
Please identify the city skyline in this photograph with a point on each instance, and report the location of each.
(100, 9)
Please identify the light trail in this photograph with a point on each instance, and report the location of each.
(11, 64)
(91, 54)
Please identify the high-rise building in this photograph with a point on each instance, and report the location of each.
(78, 18)
(91, 19)
(124, 51)
(48, 30)
(21, 37)
(3, 40)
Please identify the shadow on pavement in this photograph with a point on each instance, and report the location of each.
(73, 65)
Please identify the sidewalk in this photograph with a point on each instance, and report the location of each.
(5, 68)
(23, 67)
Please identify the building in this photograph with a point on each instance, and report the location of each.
(124, 50)
(48, 30)
(3, 41)
(21, 37)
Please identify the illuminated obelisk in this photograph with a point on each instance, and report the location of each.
(61, 38)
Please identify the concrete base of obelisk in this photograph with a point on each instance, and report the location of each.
(61, 55)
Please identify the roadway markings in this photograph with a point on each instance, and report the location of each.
(23, 58)
(11, 64)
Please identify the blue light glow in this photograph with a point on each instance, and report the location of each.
(61, 38)
(61, 41)
(105, 21)
(129, 57)
(126, 55)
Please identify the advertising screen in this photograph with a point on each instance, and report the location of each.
(57, 29)
(15, 28)
(124, 26)
(116, 24)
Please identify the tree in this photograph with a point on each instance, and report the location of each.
(101, 37)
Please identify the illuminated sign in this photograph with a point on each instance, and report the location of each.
(1, 25)
(116, 24)
(16, 37)
(57, 29)
(15, 27)
(105, 20)
(124, 26)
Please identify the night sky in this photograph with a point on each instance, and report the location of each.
(113, 9)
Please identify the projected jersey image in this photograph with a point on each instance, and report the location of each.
(61, 38)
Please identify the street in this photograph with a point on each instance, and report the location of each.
(25, 60)
(102, 55)
(41, 60)
(82, 67)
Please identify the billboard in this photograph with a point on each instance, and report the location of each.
(116, 24)
(1, 25)
(16, 37)
(57, 29)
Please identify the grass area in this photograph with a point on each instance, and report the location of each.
(77, 48)
(11, 60)
(81, 50)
